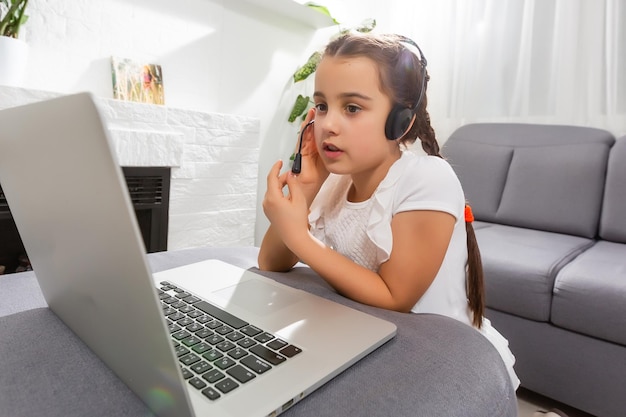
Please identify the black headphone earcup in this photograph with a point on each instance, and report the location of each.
(398, 122)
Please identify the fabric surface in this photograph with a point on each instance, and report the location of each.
(435, 366)
(589, 293)
(612, 222)
(47, 371)
(573, 368)
(555, 188)
(482, 170)
(414, 182)
(520, 267)
(545, 177)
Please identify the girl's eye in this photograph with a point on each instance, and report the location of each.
(321, 107)
(351, 108)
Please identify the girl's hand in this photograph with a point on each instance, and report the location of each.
(313, 172)
(288, 214)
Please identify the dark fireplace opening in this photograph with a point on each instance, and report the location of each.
(149, 190)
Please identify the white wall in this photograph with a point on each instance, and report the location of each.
(225, 56)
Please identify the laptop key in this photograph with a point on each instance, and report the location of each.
(186, 373)
(190, 341)
(204, 333)
(185, 321)
(173, 328)
(219, 314)
(190, 359)
(267, 354)
(211, 393)
(181, 351)
(225, 346)
(182, 334)
(197, 382)
(195, 314)
(201, 348)
(237, 353)
(290, 351)
(213, 375)
(214, 339)
(191, 299)
(223, 330)
(224, 362)
(201, 318)
(234, 336)
(240, 373)
(256, 364)
(276, 344)
(250, 330)
(201, 367)
(213, 355)
(194, 327)
(246, 342)
(264, 337)
(226, 385)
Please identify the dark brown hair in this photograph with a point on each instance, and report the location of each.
(401, 75)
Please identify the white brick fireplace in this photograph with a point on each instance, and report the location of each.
(213, 159)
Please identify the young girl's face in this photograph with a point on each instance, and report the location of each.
(351, 111)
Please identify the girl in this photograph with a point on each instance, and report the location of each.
(382, 225)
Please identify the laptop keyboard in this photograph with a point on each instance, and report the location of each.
(218, 352)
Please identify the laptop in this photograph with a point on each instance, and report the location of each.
(206, 339)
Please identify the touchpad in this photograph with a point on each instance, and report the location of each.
(257, 296)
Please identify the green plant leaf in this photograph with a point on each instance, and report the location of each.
(14, 17)
(298, 108)
(321, 9)
(366, 25)
(308, 68)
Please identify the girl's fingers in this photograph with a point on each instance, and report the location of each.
(272, 176)
(295, 191)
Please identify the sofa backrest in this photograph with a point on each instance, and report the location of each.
(613, 217)
(545, 177)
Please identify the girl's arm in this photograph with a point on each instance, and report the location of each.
(420, 241)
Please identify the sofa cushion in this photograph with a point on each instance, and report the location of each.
(590, 293)
(520, 266)
(555, 188)
(553, 175)
(484, 180)
(612, 221)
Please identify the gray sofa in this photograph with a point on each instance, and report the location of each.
(550, 205)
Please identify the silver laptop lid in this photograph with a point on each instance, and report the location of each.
(58, 172)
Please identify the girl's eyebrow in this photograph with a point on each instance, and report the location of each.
(347, 95)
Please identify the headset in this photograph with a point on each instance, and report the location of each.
(399, 119)
(400, 116)
(296, 167)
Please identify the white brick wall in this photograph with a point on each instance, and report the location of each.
(213, 158)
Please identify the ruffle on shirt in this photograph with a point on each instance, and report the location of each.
(379, 225)
(378, 228)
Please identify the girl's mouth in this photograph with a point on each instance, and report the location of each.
(331, 151)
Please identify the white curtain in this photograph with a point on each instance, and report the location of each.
(537, 61)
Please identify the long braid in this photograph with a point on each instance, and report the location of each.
(475, 276)
(426, 133)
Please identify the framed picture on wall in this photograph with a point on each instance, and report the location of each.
(136, 81)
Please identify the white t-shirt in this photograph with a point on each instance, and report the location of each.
(362, 231)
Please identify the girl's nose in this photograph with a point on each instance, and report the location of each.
(328, 122)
